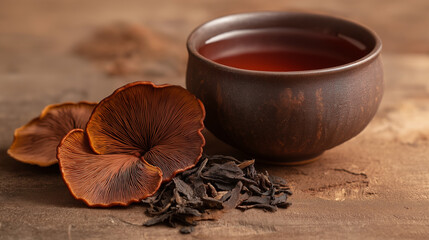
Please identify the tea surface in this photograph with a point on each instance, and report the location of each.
(282, 49)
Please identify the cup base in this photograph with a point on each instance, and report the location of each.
(294, 161)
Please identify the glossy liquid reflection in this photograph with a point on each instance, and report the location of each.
(282, 49)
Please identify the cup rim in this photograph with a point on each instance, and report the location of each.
(351, 65)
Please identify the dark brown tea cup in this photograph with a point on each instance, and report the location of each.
(287, 114)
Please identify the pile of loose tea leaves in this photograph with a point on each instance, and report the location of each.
(216, 184)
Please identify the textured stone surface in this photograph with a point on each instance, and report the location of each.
(375, 186)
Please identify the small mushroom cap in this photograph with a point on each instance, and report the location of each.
(161, 123)
(104, 180)
(37, 141)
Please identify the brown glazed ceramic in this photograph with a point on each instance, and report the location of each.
(286, 117)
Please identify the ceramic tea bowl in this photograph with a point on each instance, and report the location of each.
(286, 117)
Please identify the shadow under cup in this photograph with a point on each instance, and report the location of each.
(285, 86)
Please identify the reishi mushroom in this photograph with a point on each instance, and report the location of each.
(108, 179)
(37, 141)
(136, 138)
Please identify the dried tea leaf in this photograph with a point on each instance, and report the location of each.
(279, 199)
(188, 211)
(187, 229)
(212, 190)
(183, 188)
(221, 194)
(266, 207)
(284, 205)
(199, 188)
(234, 199)
(258, 200)
(212, 203)
(278, 180)
(250, 172)
(224, 173)
(216, 184)
(245, 164)
(224, 187)
(255, 189)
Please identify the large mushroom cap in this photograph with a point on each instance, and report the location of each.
(162, 124)
(37, 141)
(136, 138)
(104, 180)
